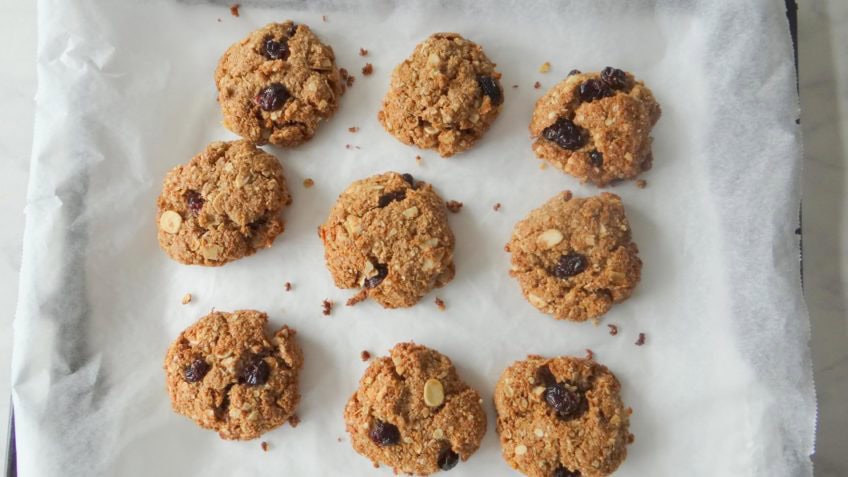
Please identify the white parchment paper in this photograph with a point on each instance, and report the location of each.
(723, 385)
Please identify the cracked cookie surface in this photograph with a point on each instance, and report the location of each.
(278, 84)
(224, 373)
(574, 257)
(389, 235)
(561, 417)
(413, 413)
(443, 97)
(222, 205)
(596, 126)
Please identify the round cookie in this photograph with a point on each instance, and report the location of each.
(413, 413)
(223, 205)
(574, 257)
(389, 235)
(561, 417)
(596, 126)
(444, 96)
(226, 375)
(277, 84)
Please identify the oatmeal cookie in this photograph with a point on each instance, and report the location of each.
(223, 205)
(277, 84)
(574, 257)
(561, 417)
(413, 413)
(225, 374)
(596, 126)
(389, 235)
(444, 96)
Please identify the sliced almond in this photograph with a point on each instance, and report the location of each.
(411, 212)
(430, 243)
(520, 449)
(211, 252)
(549, 238)
(434, 393)
(170, 221)
(438, 433)
(536, 300)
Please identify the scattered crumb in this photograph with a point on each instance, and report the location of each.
(357, 298)
(234, 9)
(308, 183)
(496, 207)
(294, 420)
(343, 73)
(363, 52)
(338, 439)
(264, 446)
(537, 85)
(349, 81)
(351, 146)
(327, 306)
(367, 69)
(546, 66)
(186, 298)
(288, 286)
(641, 340)
(515, 86)
(613, 330)
(454, 206)
(418, 160)
(219, 20)
(324, 18)
(641, 183)
(353, 129)
(364, 355)
(440, 303)
(543, 165)
(589, 354)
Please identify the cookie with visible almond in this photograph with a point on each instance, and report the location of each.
(226, 374)
(561, 417)
(388, 235)
(223, 205)
(413, 413)
(596, 126)
(574, 257)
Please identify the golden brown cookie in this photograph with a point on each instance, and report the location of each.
(224, 373)
(277, 84)
(413, 413)
(223, 205)
(574, 257)
(389, 235)
(596, 126)
(561, 417)
(444, 96)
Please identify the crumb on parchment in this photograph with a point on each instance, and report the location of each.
(454, 206)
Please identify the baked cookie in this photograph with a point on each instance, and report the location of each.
(413, 413)
(574, 257)
(561, 417)
(224, 373)
(277, 84)
(389, 235)
(596, 126)
(444, 96)
(223, 205)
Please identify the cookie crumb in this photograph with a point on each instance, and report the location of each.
(543, 166)
(324, 18)
(440, 303)
(418, 160)
(234, 9)
(353, 129)
(327, 307)
(367, 69)
(357, 298)
(346, 77)
(288, 286)
(546, 66)
(641, 340)
(338, 439)
(219, 20)
(364, 355)
(589, 354)
(537, 85)
(453, 206)
(641, 183)
(294, 420)
(349, 81)
(186, 299)
(496, 207)
(308, 183)
(264, 446)
(363, 52)
(613, 330)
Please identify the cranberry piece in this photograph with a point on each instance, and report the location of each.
(491, 88)
(565, 134)
(254, 371)
(447, 459)
(563, 472)
(195, 371)
(384, 434)
(382, 271)
(390, 197)
(565, 402)
(292, 30)
(545, 376)
(573, 72)
(272, 97)
(593, 89)
(409, 179)
(614, 77)
(194, 201)
(596, 158)
(275, 50)
(571, 264)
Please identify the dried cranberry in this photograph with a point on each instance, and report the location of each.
(491, 88)
(254, 371)
(545, 376)
(195, 371)
(384, 434)
(292, 30)
(563, 472)
(573, 72)
(447, 459)
(275, 50)
(272, 97)
(596, 158)
(194, 201)
(390, 197)
(373, 281)
(565, 402)
(614, 77)
(408, 178)
(565, 134)
(593, 89)
(571, 264)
